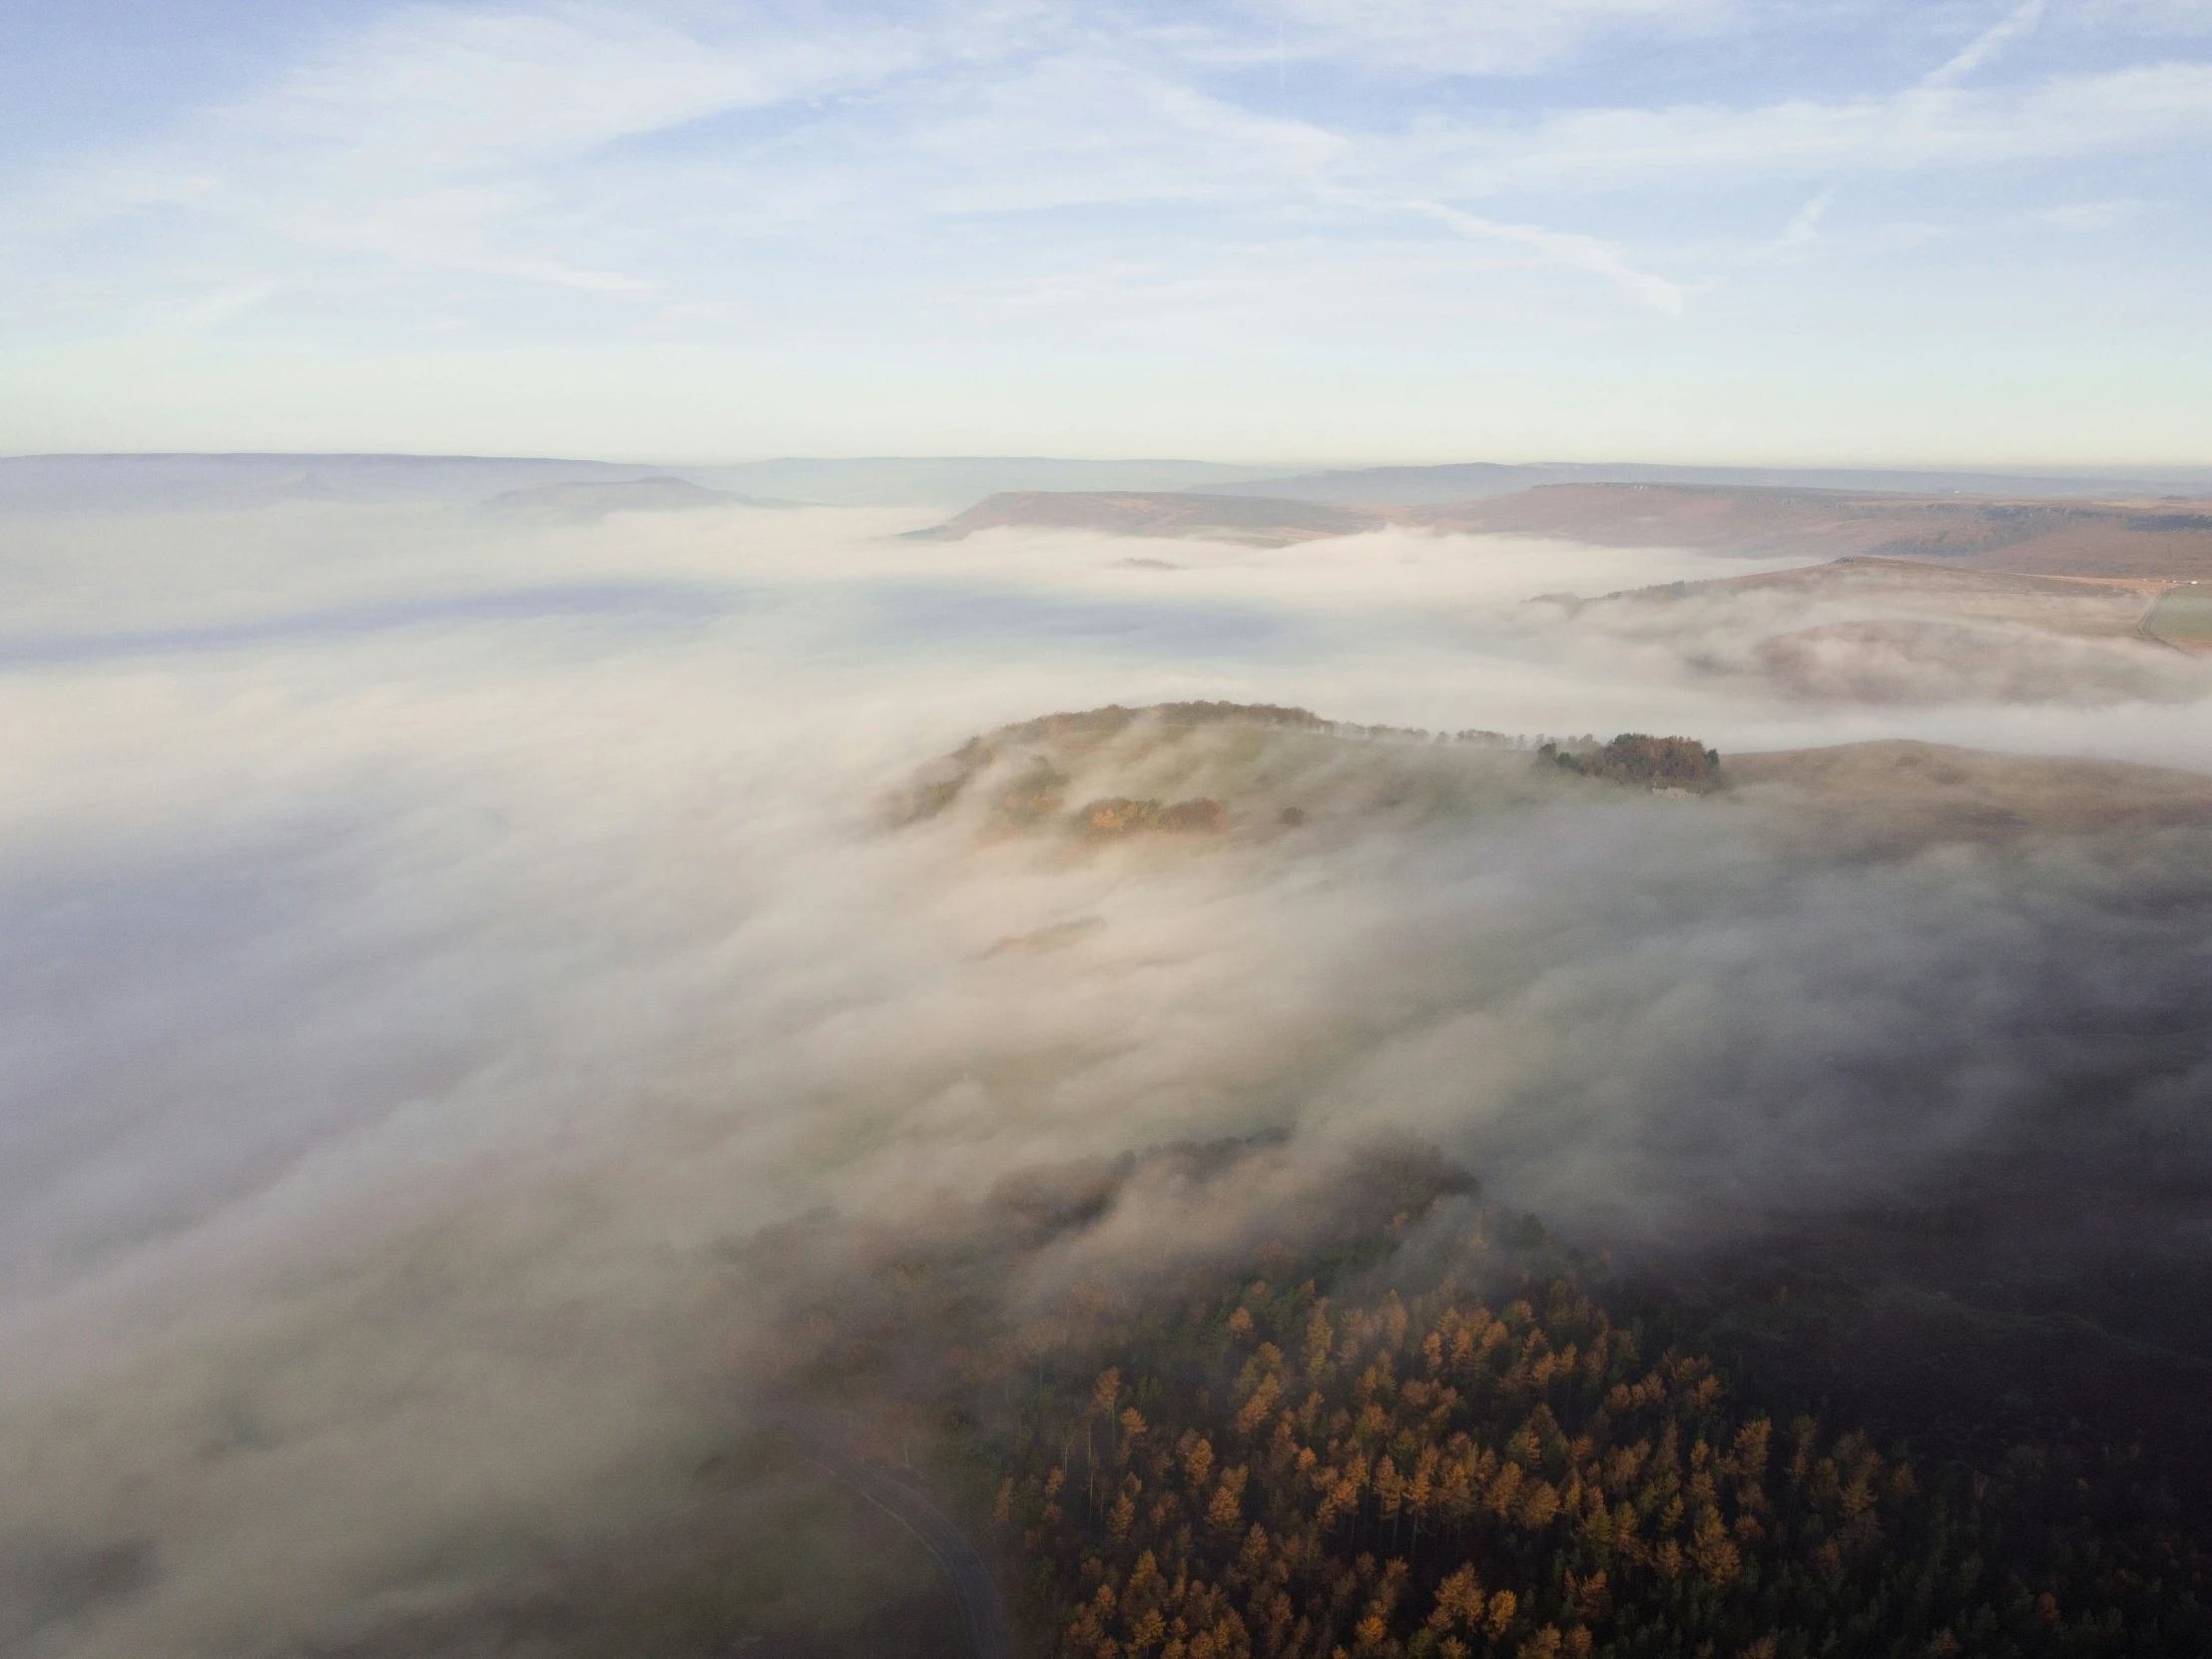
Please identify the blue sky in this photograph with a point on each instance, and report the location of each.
(1959, 231)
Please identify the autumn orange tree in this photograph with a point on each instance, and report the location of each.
(1288, 1475)
(1292, 1460)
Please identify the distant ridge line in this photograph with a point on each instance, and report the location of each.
(1424, 486)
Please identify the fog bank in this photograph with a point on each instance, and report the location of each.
(437, 949)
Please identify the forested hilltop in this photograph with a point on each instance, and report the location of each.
(1312, 1455)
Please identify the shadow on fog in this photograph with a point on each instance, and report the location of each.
(913, 614)
(640, 601)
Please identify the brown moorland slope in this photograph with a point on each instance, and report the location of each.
(1430, 485)
(1893, 795)
(1884, 629)
(2116, 604)
(2158, 541)
(2080, 606)
(2169, 541)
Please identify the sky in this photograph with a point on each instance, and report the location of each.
(1955, 232)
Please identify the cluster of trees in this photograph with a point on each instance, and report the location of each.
(1193, 1459)
(1281, 1474)
(1038, 797)
(1633, 758)
(1119, 816)
(1037, 794)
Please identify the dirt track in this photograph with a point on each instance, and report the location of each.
(906, 1503)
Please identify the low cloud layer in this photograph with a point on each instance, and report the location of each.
(438, 952)
(1892, 632)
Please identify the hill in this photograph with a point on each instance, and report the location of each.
(588, 503)
(1868, 628)
(946, 483)
(2122, 540)
(1257, 522)
(169, 483)
(187, 484)
(2075, 604)
(1314, 1450)
(1260, 773)
(1414, 486)
(1896, 794)
(2162, 542)
(1207, 770)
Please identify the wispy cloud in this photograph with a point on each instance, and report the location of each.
(442, 89)
(2088, 216)
(2181, 17)
(1804, 225)
(436, 137)
(826, 170)
(2020, 19)
(1919, 129)
(218, 306)
(1565, 247)
(504, 143)
(1448, 37)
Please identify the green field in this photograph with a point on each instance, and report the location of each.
(2184, 617)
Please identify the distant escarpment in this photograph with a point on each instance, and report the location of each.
(1255, 523)
(2111, 540)
(2108, 540)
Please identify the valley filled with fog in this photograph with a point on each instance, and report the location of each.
(443, 946)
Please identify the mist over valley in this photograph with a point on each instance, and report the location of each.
(521, 1019)
(1294, 831)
